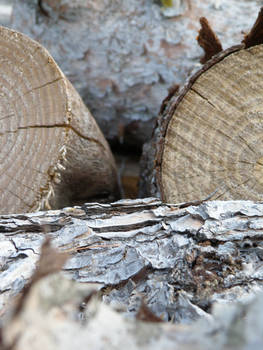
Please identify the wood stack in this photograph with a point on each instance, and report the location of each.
(157, 262)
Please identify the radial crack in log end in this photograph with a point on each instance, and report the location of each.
(220, 97)
(59, 156)
(255, 36)
(208, 40)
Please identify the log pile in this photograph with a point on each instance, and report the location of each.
(137, 273)
(124, 56)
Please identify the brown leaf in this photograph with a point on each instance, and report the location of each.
(208, 40)
(255, 36)
(50, 261)
(146, 315)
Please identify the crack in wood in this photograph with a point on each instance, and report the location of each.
(203, 97)
(44, 85)
(62, 125)
(247, 144)
(7, 116)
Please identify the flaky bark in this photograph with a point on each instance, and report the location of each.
(180, 259)
(52, 151)
(60, 314)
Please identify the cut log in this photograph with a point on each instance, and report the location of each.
(123, 56)
(179, 259)
(208, 139)
(52, 151)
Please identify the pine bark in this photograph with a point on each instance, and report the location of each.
(178, 259)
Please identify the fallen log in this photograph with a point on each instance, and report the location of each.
(178, 259)
(52, 151)
(208, 138)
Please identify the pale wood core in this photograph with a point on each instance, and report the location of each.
(43, 122)
(214, 141)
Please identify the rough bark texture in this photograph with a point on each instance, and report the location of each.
(52, 151)
(55, 319)
(124, 56)
(207, 142)
(178, 259)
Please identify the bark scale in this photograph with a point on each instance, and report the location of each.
(179, 259)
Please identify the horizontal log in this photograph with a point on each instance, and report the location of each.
(180, 258)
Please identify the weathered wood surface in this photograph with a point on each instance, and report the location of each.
(207, 142)
(179, 259)
(124, 56)
(52, 151)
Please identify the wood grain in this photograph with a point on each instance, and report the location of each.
(44, 125)
(213, 142)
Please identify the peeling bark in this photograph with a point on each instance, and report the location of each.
(180, 259)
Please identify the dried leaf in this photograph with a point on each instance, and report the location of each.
(208, 40)
(255, 36)
(50, 261)
(146, 315)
